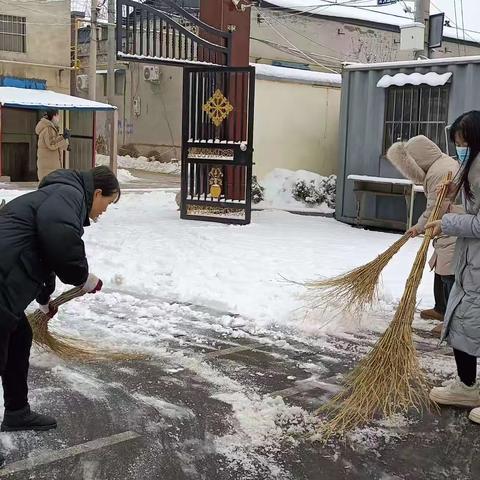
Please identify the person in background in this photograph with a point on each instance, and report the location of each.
(51, 144)
(462, 318)
(40, 238)
(422, 162)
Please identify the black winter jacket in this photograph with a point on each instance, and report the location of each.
(40, 237)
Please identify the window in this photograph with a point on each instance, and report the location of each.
(119, 82)
(12, 33)
(416, 110)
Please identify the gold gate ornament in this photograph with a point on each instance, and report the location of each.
(216, 182)
(217, 107)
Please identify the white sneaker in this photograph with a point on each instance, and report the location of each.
(457, 394)
(474, 415)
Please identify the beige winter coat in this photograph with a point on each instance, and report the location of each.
(421, 161)
(50, 147)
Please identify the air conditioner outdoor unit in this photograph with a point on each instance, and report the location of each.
(82, 82)
(151, 73)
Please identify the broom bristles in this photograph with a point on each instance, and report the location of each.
(355, 290)
(66, 347)
(389, 379)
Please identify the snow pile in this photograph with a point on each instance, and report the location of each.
(298, 191)
(124, 176)
(141, 163)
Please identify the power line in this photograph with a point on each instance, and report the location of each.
(304, 36)
(296, 48)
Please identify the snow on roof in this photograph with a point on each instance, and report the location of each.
(395, 14)
(295, 75)
(44, 99)
(412, 63)
(400, 79)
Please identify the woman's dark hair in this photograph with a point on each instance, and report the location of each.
(468, 126)
(106, 181)
(51, 113)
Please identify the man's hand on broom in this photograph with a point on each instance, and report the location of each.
(92, 285)
(413, 232)
(436, 228)
(49, 309)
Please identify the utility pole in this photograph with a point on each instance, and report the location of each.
(112, 118)
(422, 15)
(92, 64)
(111, 53)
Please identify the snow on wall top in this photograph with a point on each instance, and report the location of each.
(43, 99)
(295, 75)
(395, 14)
(431, 78)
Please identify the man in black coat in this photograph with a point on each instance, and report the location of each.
(40, 238)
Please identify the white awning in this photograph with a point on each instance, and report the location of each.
(45, 99)
(400, 79)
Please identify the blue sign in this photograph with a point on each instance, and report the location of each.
(386, 2)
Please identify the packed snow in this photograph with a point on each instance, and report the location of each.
(141, 163)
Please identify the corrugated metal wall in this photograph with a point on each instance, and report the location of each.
(362, 128)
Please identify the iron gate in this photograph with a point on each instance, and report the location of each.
(217, 143)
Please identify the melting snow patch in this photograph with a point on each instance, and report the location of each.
(166, 409)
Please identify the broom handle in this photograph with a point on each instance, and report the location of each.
(67, 296)
(438, 205)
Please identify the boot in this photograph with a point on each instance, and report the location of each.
(456, 393)
(431, 314)
(25, 419)
(2, 461)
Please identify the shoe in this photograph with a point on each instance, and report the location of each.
(474, 415)
(2, 461)
(457, 394)
(437, 330)
(431, 314)
(25, 419)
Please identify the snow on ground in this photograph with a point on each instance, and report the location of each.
(153, 264)
(141, 163)
(124, 176)
(141, 246)
(278, 186)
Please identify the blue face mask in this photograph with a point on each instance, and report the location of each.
(462, 154)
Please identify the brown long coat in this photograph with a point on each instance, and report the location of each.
(421, 161)
(50, 147)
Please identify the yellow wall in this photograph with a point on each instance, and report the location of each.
(296, 127)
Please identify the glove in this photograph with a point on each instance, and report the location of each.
(49, 310)
(66, 134)
(92, 285)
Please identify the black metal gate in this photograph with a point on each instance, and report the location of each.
(217, 143)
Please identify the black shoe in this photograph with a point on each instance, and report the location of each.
(25, 419)
(2, 461)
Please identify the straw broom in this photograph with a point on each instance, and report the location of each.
(66, 347)
(389, 380)
(354, 290)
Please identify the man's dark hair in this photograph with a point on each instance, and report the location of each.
(106, 181)
(51, 113)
